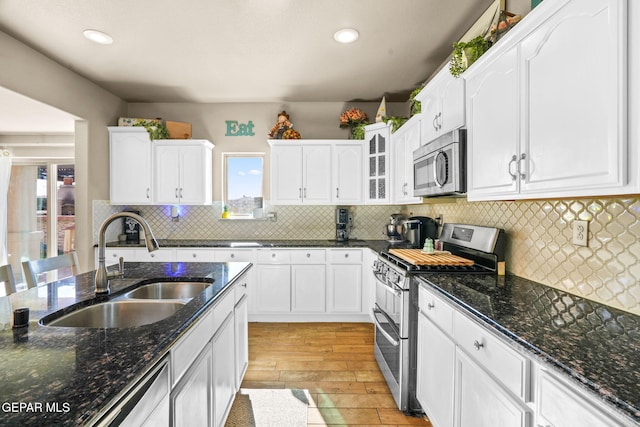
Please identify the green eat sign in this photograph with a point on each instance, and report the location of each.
(239, 129)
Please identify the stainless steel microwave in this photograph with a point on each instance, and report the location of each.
(439, 167)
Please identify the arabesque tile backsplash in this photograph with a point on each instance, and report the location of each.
(539, 236)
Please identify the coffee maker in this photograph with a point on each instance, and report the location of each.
(343, 224)
(419, 228)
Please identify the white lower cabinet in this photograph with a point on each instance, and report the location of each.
(191, 398)
(223, 376)
(466, 377)
(308, 288)
(482, 402)
(208, 362)
(273, 290)
(241, 326)
(344, 284)
(435, 371)
(309, 284)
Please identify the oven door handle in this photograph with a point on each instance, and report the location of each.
(389, 338)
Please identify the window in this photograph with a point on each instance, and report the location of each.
(243, 184)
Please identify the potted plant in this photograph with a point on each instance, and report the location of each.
(156, 129)
(415, 106)
(466, 53)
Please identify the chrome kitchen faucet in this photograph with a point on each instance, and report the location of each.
(102, 276)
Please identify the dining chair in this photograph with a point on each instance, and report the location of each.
(33, 268)
(6, 276)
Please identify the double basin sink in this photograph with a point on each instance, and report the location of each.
(144, 305)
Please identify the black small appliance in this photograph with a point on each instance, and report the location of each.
(417, 229)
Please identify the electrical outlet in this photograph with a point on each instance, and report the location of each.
(580, 232)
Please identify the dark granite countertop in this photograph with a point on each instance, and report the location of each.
(596, 345)
(376, 245)
(79, 372)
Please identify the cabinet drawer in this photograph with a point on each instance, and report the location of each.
(194, 255)
(435, 309)
(222, 308)
(274, 256)
(504, 363)
(345, 256)
(190, 345)
(308, 256)
(161, 255)
(231, 255)
(240, 288)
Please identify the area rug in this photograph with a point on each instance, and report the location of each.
(269, 408)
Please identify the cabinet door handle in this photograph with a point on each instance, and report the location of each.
(478, 345)
(233, 255)
(337, 193)
(181, 192)
(430, 305)
(308, 255)
(176, 192)
(152, 255)
(273, 255)
(195, 255)
(513, 160)
(244, 285)
(440, 120)
(434, 122)
(346, 255)
(147, 192)
(300, 193)
(523, 175)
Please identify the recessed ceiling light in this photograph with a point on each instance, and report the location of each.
(98, 36)
(346, 35)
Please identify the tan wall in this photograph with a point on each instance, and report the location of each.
(30, 73)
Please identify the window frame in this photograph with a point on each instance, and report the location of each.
(225, 181)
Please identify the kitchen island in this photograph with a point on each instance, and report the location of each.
(72, 376)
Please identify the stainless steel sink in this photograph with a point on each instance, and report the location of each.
(118, 314)
(168, 290)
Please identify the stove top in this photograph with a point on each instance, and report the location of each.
(485, 246)
(412, 268)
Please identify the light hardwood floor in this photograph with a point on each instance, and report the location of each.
(335, 362)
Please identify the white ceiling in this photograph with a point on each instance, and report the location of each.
(245, 50)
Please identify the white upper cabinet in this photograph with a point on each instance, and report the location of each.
(547, 106)
(377, 163)
(403, 142)
(300, 173)
(182, 172)
(129, 166)
(144, 172)
(573, 75)
(493, 127)
(316, 172)
(346, 165)
(442, 105)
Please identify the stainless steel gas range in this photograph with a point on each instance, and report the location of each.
(396, 298)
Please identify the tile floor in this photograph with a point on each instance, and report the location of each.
(335, 362)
